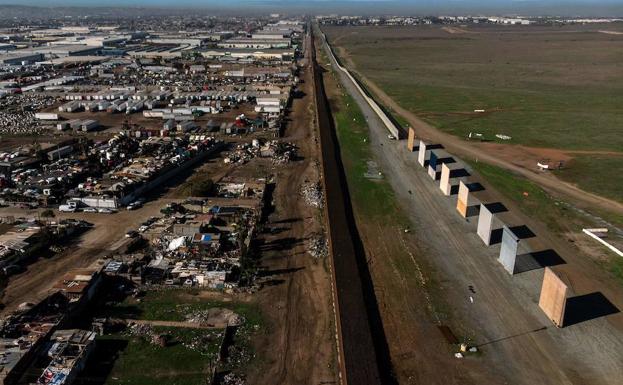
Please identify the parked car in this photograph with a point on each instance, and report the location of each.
(131, 234)
(90, 210)
(105, 211)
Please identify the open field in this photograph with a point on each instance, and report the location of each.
(546, 87)
(174, 305)
(596, 173)
(189, 350)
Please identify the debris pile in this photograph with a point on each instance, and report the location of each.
(279, 152)
(140, 330)
(214, 317)
(283, 152)
(318, 246)
(202, 342)
(233, 379)
(312, 194)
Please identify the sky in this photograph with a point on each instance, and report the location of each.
(529, 7)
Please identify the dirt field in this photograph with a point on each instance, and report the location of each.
(299, 344)
(106, 238)
(517, 344)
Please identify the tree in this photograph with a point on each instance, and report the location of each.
(48, 213)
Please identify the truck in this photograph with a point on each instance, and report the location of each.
(69, 207)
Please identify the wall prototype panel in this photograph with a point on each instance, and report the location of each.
(432, 165)
(411, 139)
(421, 157)
(508, 250)
(485, 224)
(463, 199)
(553, 299)
(444, 183)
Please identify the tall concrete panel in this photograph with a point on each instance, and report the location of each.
(463, 199)
(508, 250)
(421, 156)
(432, 165)
(485, 224)
(553, 299)
(444, 183)
(411, 139)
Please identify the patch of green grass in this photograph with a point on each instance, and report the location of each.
(173, 305)
(542, 87)
(372, 196)
(598, 174)
(615, 266)
(142, 363)
(531, 199)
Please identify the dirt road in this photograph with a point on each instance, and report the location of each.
(298, 346)
(106, 236)
(498, 312)
(490, 155)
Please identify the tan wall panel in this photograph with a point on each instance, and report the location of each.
(461, 208)
(463, 193)
(553, 297)
(411, 139)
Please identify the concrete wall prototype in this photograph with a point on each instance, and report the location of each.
(432, 165)
(444, 184)
(463, 199)
(391, 127)
(553, 299)
(411, 139)
(508, 250)
(485, 224)
(421, 156)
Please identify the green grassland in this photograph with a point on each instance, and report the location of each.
(173, 305)
(126, 359)
(544, 86)
(352, 133)
(599, 174)
(143, 363)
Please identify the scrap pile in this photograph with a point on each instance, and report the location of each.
(279, 152)
(233, 379)
(140, 330)
(283, 152)
(201, 341)
(318, 246)
(17, 113)
(242, 154)
(214, 317)
(312, 194)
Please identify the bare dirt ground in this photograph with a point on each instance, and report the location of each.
(521, 160)
(299, 343)
(518, 344)
(105, 238)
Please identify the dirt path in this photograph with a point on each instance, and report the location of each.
(298, 347)
(496, 154)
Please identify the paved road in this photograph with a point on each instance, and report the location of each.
(520, 345)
